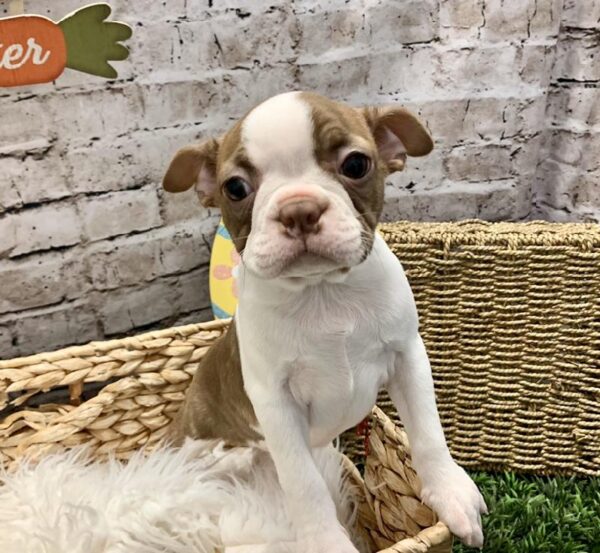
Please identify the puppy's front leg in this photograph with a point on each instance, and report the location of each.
(447, 488)
(285, 429)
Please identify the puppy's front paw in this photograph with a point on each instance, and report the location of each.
(332, 541)
(451, 493)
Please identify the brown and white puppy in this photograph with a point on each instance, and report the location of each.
(326, 317)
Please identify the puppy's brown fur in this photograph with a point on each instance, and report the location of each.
(216, 405)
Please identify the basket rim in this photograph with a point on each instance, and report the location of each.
(99, 347)
(471, 232)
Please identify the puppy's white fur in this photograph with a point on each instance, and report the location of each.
(182, 501)
(317, 344)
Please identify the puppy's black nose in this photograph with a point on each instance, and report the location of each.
(301, 215)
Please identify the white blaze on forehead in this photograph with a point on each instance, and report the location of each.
(278, 135)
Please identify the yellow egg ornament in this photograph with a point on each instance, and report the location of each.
(224, 261)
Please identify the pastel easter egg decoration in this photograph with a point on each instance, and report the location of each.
(34, 49)
(224, 261)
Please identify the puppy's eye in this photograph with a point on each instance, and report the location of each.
(237, 189)
(355, 166)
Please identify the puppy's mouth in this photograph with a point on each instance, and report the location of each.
(310, 265)
(309, 257)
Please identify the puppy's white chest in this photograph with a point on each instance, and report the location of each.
(332, 345)
(339, 365)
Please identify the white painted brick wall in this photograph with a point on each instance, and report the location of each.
(91, 247)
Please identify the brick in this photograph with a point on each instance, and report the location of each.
(398, 72)
(54, 327)
(9, 195)
(314, 6)
(489, 118)
(535, 63)
(337, 27)
(444, 120)
(530, 116)
(524, 20)
(125, 261)
(585, 15)
(6, 342)
(546, 19)
(192, 290)
(118, 213)
(461, 19)
(132, 260)
(477, 71)
(127, 162)
(507, 20)
(187, 247)
(479, 163)
(8, 235)
(36, 177)
(56, 11)
(574, 108)
(49, 226)
(580, 150)
(222, 42)
(408, 22)
(185, 206)
(470, 71)
(589, 215)
(41, 280)
(241, 44)
(96, 113)
(177, 102)
(471, 120)
(23, 121)
(242, 91)
(241, 9)
(160, 57)
(153, 10)
(577, 55)
(567, 187)
(194, 317)
(502, 200)
(122, 310)
(421, 173)
(525, 154)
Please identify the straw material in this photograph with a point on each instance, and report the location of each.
(152, 372)
(147, 377)
(510, 315)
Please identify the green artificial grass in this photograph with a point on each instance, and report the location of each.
(533, 514)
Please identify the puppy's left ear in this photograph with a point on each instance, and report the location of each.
(397, 133)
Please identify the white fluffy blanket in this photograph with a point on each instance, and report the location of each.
(197, 499)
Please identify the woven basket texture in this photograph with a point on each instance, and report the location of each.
(509, 313)
(510, 316)
(147, 378)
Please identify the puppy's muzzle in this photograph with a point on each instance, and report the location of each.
(300, 216)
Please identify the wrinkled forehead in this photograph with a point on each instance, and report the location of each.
(278, 134)
(291, 131)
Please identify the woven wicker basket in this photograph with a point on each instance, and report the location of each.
(142, 381)
(510, 316)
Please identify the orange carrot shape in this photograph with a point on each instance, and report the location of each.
(34, 49)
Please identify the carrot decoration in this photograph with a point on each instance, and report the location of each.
(34, 49)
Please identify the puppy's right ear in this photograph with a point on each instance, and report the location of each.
(195, 165)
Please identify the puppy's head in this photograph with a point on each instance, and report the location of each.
(300, 180)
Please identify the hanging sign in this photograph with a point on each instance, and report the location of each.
(35, 49)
